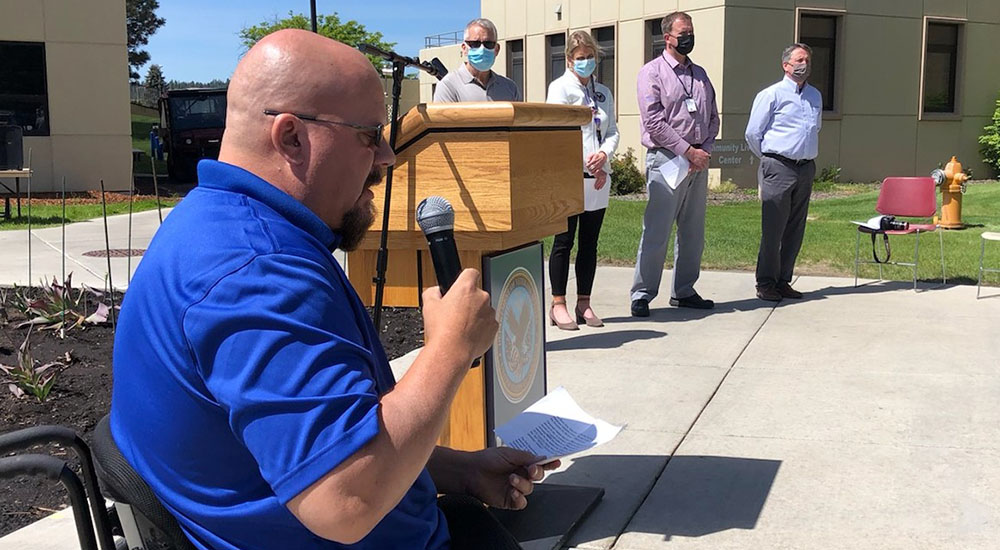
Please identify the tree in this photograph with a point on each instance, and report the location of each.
(141, 22)
(990, 142)
(154, 78)
(351, 33)
(181, 84)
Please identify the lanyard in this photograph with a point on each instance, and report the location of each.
(592, 100)
(683, 87)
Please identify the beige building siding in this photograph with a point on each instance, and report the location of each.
(87, 85)
(877, 128)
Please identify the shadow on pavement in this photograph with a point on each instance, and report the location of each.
(678, 314)
(695, 495)
(603, 340)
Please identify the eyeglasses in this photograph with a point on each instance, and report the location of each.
(373, 133)
(489, 44)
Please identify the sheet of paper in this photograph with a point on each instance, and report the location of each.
(554, 427)
(675, 170)
(873, 223)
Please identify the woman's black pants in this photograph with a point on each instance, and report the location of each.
(589, 224)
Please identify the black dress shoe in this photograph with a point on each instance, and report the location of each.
(692, 301)
(640, 308)
(787, 291)
(768, 293)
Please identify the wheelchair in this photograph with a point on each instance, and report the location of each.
(135, 520)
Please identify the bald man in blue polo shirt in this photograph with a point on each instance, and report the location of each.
(250, 388)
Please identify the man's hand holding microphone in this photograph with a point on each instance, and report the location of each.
(457, 311)
(461, 320)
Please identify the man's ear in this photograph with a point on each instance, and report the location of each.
(287, 136)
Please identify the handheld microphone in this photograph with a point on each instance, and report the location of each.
(436, 219)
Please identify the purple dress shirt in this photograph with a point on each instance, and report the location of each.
(664, 85)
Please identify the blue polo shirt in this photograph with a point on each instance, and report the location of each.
(246, 368)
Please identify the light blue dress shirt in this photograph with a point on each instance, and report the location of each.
(786, 121)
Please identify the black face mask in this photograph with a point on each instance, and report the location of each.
(685, 43)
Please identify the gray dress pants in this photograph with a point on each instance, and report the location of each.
(685, 206)
(784, 203)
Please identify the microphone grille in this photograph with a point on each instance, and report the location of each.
(435, 214)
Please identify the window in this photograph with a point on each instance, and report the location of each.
(555, 44)
(605, 38)
(654, 40)
(515, 63)
(24, 97)
(940, 67)
(820, 33)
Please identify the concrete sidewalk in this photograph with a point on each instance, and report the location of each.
(46, 260)
(855, 418)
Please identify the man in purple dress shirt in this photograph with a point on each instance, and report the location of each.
(679, 118)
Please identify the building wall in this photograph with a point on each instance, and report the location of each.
(87, 85)
(877, 128)
(451, 57)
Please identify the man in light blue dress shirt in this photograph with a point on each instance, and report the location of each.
(784, 132)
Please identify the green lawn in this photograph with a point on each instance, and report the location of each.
(48, 215)
(732, 235)
(141, 125)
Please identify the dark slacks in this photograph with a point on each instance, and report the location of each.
(473, 527)
(784, 203)
(589, 224)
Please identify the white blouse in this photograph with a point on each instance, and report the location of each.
(599, 135)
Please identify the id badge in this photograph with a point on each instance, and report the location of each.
(690, 104)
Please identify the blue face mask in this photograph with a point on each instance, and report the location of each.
(481, 58)
(584, 67)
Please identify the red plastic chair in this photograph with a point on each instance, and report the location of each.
(907, 198)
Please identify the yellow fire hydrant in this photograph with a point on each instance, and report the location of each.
(951, 180)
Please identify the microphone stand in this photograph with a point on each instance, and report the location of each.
(399, 64)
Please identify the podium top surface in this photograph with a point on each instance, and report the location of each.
(491, 114)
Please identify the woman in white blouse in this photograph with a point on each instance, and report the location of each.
(600, 139)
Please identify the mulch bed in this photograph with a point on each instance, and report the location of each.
(81, 395)
(87, 197)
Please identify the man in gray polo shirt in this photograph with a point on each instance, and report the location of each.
(474, 80)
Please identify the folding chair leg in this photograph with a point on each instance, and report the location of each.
(916, 261)
(982, 252)
(857, 250)
(944, 278)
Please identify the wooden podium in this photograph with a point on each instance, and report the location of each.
(512, 171)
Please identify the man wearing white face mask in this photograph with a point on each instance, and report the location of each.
(784, 132)
(475, 79)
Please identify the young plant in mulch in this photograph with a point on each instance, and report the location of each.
(57, 307)
(28, 377)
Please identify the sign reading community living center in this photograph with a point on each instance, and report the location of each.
(736, 160)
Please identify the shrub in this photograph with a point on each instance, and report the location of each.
(829, 174)
(990, 142)
(29, 378)
(58, 308)
(725, 186)
(626, 177)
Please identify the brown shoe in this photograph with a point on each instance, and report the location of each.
(582, 308)
(768, 293)
(568, 325)
(787, 291)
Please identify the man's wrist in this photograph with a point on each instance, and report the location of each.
(455, 466)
